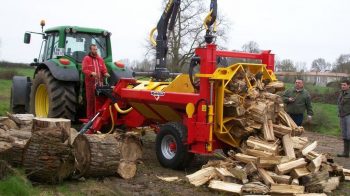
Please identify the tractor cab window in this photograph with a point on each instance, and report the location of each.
(77, 45)
(50, 46)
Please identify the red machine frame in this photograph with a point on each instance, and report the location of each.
(198, 127)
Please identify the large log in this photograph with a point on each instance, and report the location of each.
(106, 155)
(13, 143)
(47, 158)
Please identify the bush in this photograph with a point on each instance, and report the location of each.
(8, 74)
(325, 119)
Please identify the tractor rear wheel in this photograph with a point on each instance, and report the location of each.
(171, 148)
(52, 98)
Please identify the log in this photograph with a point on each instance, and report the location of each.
(287, 167)
(314, 182)
(299, 142)
(258, 153)
(299, 172)
(255, 188)
(273, 97)
(268, 131)
(262, 145)
(331, 184)
(315, 164)
(288, 146)
(346, 172)
(6, 123)
(240, 173)
(347, 178)
(226, 186)
(47, 123)
(257, 112)
(309, 148)
(106, 155)
(245, 158)
(286, 189)
(266, 177)
(311, 194)
(250, 168)
(281, 179)
(47, 158)
(270, 162)
(224, 174)
(16, 141)
(127, 169)
(202, 176)
(281, 130)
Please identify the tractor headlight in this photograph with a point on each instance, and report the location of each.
(74, 30)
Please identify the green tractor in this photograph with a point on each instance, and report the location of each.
(57, 88)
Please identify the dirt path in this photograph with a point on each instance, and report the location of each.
(147, 183)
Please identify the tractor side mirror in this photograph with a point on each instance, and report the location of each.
(35, 60)
(27, 38)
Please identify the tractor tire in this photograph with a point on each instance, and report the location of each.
(52, 98)
(16, 109)
(171, 148)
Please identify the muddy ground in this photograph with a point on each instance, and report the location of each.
(147, 183)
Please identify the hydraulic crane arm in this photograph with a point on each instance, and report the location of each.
(167, 21)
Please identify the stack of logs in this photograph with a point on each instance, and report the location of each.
(50, 150)
(273, 159)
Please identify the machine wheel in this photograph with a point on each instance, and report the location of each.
(171, 149)
(52, 98)
(16, 109)
(20, 90)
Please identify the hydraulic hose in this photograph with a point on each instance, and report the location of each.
(122, 111)
(112, 119)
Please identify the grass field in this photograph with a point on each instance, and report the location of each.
(6, 75)
(325, 119)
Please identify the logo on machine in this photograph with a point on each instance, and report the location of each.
(157, 94)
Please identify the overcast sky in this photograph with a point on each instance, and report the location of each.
(301, 30)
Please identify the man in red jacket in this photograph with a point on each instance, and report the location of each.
(95, 70)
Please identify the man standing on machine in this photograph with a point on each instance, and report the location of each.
(95, 70)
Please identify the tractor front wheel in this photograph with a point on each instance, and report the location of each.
(52, 98)
(171, 148)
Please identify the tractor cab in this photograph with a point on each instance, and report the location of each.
(72, 42)
(57, 88)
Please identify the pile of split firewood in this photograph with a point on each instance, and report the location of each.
(273, 158)
(50, 151)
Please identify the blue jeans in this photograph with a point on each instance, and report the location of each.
(345, 127)
(298, 118)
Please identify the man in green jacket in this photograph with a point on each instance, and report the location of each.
(297, 100)
(344, 115)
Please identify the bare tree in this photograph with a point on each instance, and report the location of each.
(300, 66)
(251, 47)
(285, 65)
(320, 64)
(188, 33)
(342, 64)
